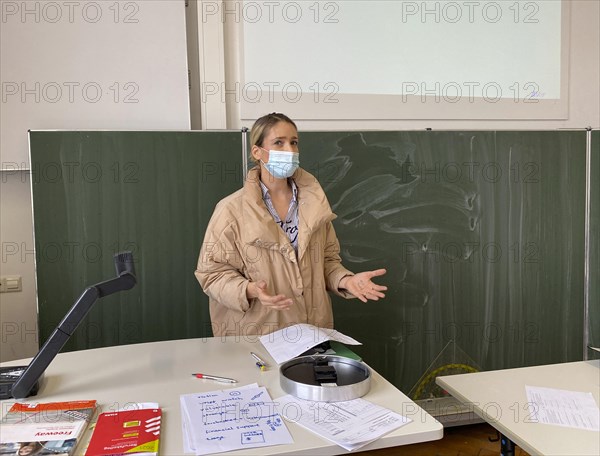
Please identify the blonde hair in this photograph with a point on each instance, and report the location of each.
(263, 125)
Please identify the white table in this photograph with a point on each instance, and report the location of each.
(499, 398)
(161, 372)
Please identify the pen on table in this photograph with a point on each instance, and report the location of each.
(259, 362)
(214, 377)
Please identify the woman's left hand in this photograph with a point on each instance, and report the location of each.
(361, 286)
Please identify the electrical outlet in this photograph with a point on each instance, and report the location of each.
(10, 284)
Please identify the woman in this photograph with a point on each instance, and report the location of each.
(270, 252)
(41, 448)
(30, 448)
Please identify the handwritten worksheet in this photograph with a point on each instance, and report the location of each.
(231, 419)
(287, 343)
(563, 407)
(349, 424)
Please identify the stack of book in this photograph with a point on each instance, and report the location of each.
(54, 428)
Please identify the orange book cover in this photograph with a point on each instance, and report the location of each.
(52, 428)
(126, 432)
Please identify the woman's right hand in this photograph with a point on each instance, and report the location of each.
(259, 290)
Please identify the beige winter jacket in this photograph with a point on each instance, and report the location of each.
(243, 243)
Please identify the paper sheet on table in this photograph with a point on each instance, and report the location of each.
(188, 444)
(563, 408)
(349, 424)
(138, 406)
(287, 343)
(232, 419)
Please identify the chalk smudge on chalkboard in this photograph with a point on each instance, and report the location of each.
(332, 171)
(359, 198)
(387, 195)
(396, 190)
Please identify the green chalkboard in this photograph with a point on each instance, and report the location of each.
(594, 292)
(96, 193)
(482, 234)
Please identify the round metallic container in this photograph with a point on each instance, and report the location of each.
(325, 378)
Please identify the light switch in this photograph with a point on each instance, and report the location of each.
(10, 284)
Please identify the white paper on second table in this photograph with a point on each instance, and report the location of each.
(563, 407)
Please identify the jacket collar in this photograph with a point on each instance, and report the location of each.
(313, 209)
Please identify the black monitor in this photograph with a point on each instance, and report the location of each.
(20, 382)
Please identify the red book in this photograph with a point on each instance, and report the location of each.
(126, 432)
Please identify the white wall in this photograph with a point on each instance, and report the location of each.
(162, 44)
(582, 71)
(76, 65)
(18, 313)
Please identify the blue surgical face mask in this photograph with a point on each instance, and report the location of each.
(282, 163)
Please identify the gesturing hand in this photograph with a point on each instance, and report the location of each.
(259, 290)
(361, 286)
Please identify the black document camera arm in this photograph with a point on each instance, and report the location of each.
(125, 280)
